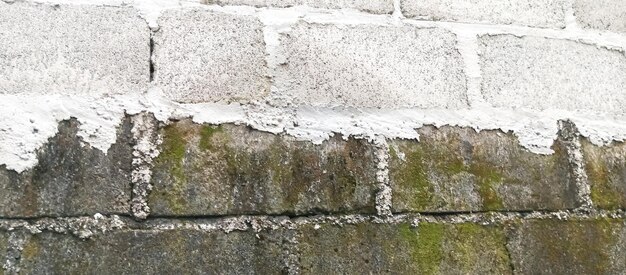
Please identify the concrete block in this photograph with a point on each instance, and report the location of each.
(568, 247)
(176, 251)
(459, 170)
(233, 170)
(606, 171)
(71, 178)
(72, 49)
(373, 66)
(373, 6)
(430, 248)
(601, 14)
(205, 56)
(542, 73)
(533, 13)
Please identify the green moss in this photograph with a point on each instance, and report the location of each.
(206, 134)
(602, 194)
(583, 244)
(413, 176)
(426, 245)
(488, 178)
(172, 155)
(475, 243)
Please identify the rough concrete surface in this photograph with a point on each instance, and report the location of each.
(152, 252)
(601, 14)
(70, 49)
(542, 73)
(373, 66)
(373, 6)
(568, 247)
(206, 56)
(231, 170)
(71, 178)
(606, 170)
(534, 13)
(459, 170)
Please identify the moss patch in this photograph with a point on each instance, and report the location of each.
(172, 155)
(425, 243)
(602, 194)
(206, 135)
(488, 178)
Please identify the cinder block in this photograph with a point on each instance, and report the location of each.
(459, 170)
(205, 56)
(542, 73)
(568, 246)
(373, 66)
(373, 6)
(534, 13)
(606, 171)
(601, 14)
(234, 170)
(176, 251)
(430, 248)
(71, 178)
(72, 49)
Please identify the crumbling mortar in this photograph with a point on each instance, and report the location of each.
(571, 137)
(87, 227)
(383, 194)
(145, 150)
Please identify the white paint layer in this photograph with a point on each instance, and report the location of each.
(27, 122)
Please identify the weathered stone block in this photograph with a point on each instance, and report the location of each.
(457, 169)
(71, 178)
(430, 248)
(72, 49)
(568, 247)
(4, 245)
(542, 73)
(534, 13)
(205, 56)
(601, 14)
(208, 170)
(373, 6)
(372, 66)
(154, 252)
(606, 171)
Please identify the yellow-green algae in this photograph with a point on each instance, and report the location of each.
(584, 244)
(172, 155)
(457, 246)
(603, 194)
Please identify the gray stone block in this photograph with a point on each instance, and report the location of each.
(71, 178)
(568, 247)
(542, 73)
(601, 14)
(457, 169)
(205, 56)
(72, 49)
(430, 248)
(534, 13)
(373, 66)
(373, 6)
(232, 170)
(176, 251)
(606, 171)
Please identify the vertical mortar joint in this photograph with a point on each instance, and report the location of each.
(146, 140)
(570, 136)
(383, 194)
(11, 264)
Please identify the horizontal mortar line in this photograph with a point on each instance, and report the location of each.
(522, 214)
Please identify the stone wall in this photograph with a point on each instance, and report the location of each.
(288, 137)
